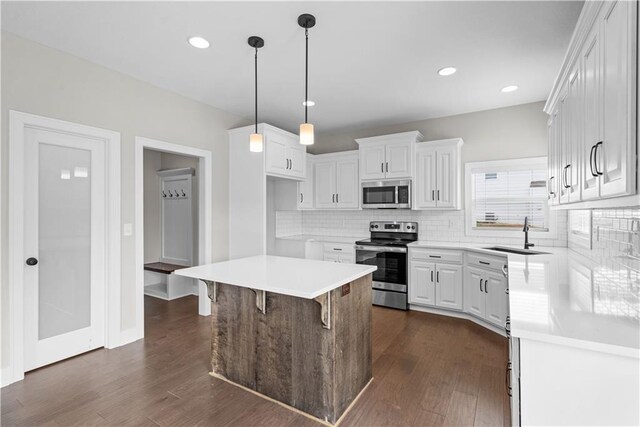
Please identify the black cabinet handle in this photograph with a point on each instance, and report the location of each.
(337, 249)
(486, 286)
(484, 262)
(431, 276)
(301, 197)
(553, 193)
(565, 177)
(595, 159)
(32, 261)
(433, 194)
(508, 379)
(382, 167)
(435, 256)
(333, 198)
(437, 277)
(438, 193)
(337, 198)
(387, 166)
(593, 173)
(481, 286)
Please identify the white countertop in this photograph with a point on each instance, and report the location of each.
(565, 298)
(323, 239)
(297, 277)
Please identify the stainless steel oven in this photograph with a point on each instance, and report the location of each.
(386, 194)
(387, 250)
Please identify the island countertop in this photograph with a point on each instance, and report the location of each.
(297, 277)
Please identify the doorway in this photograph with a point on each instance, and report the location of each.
(177, 158)
(64, 259)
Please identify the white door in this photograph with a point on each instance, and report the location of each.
(446, 181)
(398, 160)
(371, 162)
(425, 186)
(474, 297)
(495, 286)
(64, 243)
(297, 155)
(347, 184)
(592, 100)
(616, 157)
(305, 189)
(276, 148)
(449, 286)
(325, 185)
(422, 283)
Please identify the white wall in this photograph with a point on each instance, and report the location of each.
(503, 133)
(44, 81)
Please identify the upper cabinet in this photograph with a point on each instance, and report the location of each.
(593, 142)
(285, 157)
(438, 174)
(335, 181)
(388, 156)
(305, 188)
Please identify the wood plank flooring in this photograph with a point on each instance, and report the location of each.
(428, 370)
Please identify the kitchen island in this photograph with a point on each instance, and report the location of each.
(295, 330)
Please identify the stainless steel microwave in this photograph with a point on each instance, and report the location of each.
(386, 194)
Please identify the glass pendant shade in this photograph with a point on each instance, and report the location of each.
(306, 134)
(255, 143)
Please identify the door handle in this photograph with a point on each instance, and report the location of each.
(431, 276)
(32, 261)
(337, 198)
(433, 194)
(387, 166)
(595, 159)
(438, 193)
(333, 198)
(382, 167)
(481, 286)
(564, 176)
(486, 288)
(437, 277)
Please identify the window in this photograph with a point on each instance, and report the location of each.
(500, 194)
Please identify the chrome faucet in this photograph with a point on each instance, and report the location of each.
(525, 229)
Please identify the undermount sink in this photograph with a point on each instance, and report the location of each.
(516, 250)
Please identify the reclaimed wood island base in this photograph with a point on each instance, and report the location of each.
(312, 353)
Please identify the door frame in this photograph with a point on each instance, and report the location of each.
(205, 220)
(18, 122)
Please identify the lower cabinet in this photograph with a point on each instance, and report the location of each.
(486, 296)
(339, 252)
(439, 285)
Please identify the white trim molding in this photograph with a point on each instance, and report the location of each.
(205, 215)
(18, 122)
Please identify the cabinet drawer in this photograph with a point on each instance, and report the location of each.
(339, 248)
(435, 255)
(486, 261)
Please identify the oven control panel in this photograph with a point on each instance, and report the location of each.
(394, 226)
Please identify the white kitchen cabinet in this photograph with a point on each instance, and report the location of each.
(594, 104)
(485, 294)
(339, 252)
(474, 299)
(438, 174)
(496, 300)
(387, 156)
(437, 284)
(553, 159)
(284, 156)
(422, 289)
(305, 188)
(449, 286)
(336, 181)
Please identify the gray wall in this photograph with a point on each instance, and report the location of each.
(47, 82)
(503, 133)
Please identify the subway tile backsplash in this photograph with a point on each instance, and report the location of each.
(440, 226)
(615, 256)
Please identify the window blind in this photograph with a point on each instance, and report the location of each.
(502, 199)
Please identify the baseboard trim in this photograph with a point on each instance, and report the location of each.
(459, 315)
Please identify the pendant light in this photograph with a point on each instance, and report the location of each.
(256, 140)
(306, 21)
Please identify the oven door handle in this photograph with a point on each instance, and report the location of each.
(381, 249)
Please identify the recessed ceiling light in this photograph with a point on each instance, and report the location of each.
(199, 42)
(308, 103)
(511, 88)
(447, 71)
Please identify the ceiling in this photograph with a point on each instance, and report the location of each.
(371, 63)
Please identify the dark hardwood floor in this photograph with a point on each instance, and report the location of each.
(428, 370)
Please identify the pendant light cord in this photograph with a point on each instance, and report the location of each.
(256, 92)
(306, 73)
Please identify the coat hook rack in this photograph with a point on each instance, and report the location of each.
(164, 194)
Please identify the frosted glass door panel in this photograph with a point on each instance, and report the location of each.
(64, 300)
